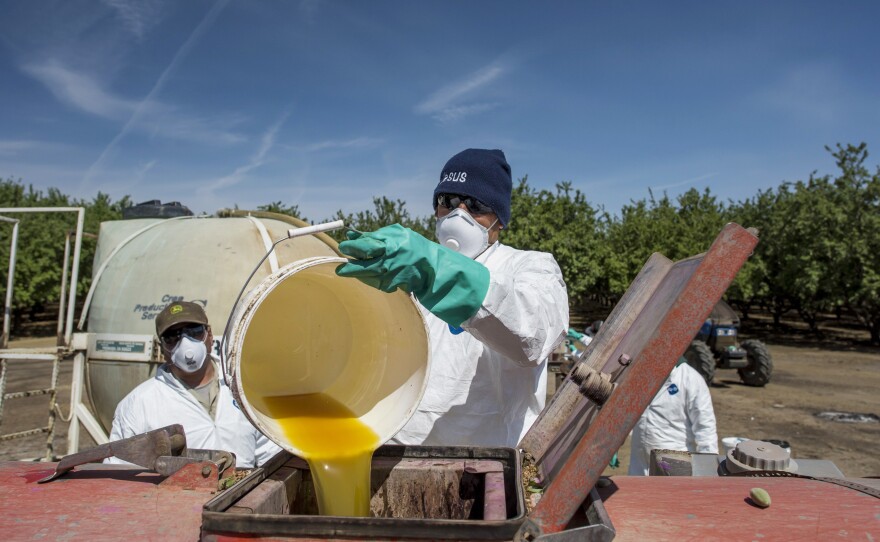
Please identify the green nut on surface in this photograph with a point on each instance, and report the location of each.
(760, 497)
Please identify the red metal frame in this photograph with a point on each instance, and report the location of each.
(681, 303)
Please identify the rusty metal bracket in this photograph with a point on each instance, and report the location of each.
(195, 475)
(162, 450)
(168, 465)
(598, 526)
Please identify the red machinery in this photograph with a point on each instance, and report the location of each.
(467, 493)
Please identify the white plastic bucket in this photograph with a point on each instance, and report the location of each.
(305, 330)
(729, 443)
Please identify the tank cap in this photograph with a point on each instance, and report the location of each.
(755, 455)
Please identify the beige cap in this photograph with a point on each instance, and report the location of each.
(180, 312)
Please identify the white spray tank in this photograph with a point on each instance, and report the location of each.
(142, 265)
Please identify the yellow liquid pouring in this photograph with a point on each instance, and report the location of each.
(337, 445)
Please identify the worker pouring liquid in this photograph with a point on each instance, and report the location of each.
(494, 313)
(330, 369)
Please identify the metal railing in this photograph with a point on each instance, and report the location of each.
(65, 326)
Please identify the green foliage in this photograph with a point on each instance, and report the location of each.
(280, 208)
(819, 248)
(851, 244)
(564, 224)
(675, 229)
(385, 212)
(41, 240)
(819, 244)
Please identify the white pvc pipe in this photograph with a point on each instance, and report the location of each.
(9, 280)
(76, 388)
(61, 306)
(76, 253)
(74, 274)
(317, 228)
(39, 209)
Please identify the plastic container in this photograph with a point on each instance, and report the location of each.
(148, 263)
(418, 493)
(305, 330)
(729, 443)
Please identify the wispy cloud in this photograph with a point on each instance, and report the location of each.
(267, 141)
(83, 92)
(79, 90)
(138, 16)
(816, 91)
(12, 147)
(460, 99)
(141, 171)
(147, 103)
(334, 144)
(685, 182)
(454, 113)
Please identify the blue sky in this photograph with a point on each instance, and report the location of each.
(328, 104)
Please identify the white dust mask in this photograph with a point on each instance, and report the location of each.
(459, 231)
(189, 355)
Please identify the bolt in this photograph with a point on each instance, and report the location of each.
(624, 360)
(206, 471)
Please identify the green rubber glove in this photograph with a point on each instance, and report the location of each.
(448, 284)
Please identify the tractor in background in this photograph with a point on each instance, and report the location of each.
(717, 346)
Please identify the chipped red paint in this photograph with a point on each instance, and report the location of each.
(202, 476)
(95, 502)
(701, 282)
(712, 508)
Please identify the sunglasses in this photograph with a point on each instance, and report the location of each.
(171, 338)
(474, 206)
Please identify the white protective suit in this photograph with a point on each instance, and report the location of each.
(163, 400)
(680, 417)
(488, 383)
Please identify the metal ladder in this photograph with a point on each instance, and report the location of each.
(28, 356)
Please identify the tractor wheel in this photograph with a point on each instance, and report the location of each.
(700, 357)
(760, 364)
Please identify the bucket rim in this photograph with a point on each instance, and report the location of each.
(244, 314)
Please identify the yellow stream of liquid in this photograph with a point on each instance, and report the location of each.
(337, 446)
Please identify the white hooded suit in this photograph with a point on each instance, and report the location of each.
(488, 379)
(680, 417)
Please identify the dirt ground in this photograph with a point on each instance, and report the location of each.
(809, 377)
(806, 380)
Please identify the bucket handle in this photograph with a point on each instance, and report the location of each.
(291, 234)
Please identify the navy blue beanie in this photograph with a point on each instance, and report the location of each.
(480, 173)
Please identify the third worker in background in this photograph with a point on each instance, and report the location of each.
(680, 417)
(494, 313)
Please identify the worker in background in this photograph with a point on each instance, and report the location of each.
(680, 417)
(189, 389)
(494, 313)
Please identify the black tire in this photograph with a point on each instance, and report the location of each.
(760, 364)
(700, 357)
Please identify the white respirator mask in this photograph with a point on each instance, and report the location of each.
(189, 355)
(459, 231)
